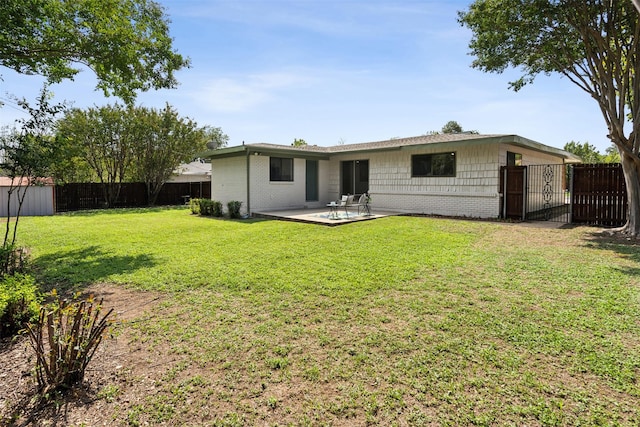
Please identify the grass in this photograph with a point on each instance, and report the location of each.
(397, 321)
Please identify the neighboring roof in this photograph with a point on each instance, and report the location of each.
(448, 140)
(5, 181)
(197, 167)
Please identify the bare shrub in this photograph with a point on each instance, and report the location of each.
(64, 339)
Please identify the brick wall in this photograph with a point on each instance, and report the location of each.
(229, 181)
(473, 192)
(268, 195)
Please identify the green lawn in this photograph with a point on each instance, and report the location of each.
(401, 320)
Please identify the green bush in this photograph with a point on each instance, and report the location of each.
(217, 208)
(65, 337)
(19, 303)
(234, 208)
(205, 206)
(194, 205)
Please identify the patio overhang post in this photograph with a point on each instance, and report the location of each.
(248, 157)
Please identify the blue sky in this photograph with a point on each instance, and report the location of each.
(330, 71)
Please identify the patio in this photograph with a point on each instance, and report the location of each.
(322, 216)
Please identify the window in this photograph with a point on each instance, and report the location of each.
(514, 159)
(441, 164)
(280, 169)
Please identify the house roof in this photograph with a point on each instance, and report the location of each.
(5, 181)
(196, 167)
(446, 141)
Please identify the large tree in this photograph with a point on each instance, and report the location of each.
(102, 136)
(162, 142)
(140, 144)
(587, 152)
(593, 43)
(125, 42)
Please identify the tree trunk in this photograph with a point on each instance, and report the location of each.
(631, 170)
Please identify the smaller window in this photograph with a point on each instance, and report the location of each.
(514, 159)
(280, 169)
(428, 165)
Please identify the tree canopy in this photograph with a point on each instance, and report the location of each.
(451, 127)
(120, 144)
(163, 141)
(587, 152)
(298, 142)
(125, 42)
(593, 43)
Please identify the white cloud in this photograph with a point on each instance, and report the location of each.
(232, 95)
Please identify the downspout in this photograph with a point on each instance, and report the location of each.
(248, 185)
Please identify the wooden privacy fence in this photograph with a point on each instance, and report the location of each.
(81, 196)
(599, 195)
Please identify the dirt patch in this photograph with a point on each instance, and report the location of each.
(90, 403)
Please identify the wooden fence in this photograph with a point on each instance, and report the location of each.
(599, 195)
(81, 196)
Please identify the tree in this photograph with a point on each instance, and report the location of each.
(299, 142)
(104, 139)
(215, 137)
(452, 127)
(28, 155)
(587, 152)
(593, 43)
(134, 144)
(612, 155)
(125, 42)
(162, 142)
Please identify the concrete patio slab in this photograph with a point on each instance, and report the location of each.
(322, 216)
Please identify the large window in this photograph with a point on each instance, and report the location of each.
(440, 164)
(280, 169)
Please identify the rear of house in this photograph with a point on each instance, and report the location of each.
(450, 174)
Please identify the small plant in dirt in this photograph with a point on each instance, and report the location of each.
(19, 303)
(65, 337)
(234, 208)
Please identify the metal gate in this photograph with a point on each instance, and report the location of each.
(537, 192)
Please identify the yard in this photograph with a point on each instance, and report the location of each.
(396, 321)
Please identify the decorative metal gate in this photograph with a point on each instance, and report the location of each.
(537, 192)
(547, 193)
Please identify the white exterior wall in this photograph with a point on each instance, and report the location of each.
(529, 157)
(37, 202)
(278, 195)
(229, 180)
(473, 192)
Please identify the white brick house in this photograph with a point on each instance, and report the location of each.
(448, 174)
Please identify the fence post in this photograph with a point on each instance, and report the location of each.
(571, 168)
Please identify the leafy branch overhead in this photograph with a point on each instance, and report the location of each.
(125, 42)
(594, 44)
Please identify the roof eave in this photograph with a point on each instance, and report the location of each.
(242, 150)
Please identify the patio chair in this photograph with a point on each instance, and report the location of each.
(345, 202)
(363, 204)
